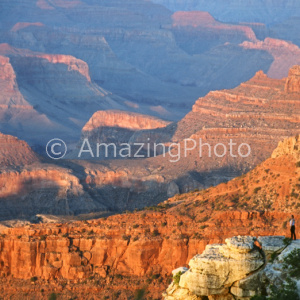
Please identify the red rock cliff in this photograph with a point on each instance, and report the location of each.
(161, 238)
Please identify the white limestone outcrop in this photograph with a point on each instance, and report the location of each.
(238, 269)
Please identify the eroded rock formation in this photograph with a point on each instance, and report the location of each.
(285, 55)
(34, 84)
(219, 266)
(15, 153)
(237, 269)
(204, 20)
(293, 82)
(258, 203)
(259, 112)
(122, 119)
(134, 51)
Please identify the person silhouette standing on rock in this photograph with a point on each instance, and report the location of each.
(292, 225)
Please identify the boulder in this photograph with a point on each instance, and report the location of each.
(235, 270)
(219, 266)
(271, 244)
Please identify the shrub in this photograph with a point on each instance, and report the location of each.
(298, 164)
(235, 199)
(286, 291)
(140, 294)
(179, 223)
(155, 276)
(287, 241)
(259, 297)
(273, 256)
(197, 235)
(176, 278)
(294, 195)
(291, 263)
(33, 279)
(155, 232)
(119, 276)
(204, 219)
(53, 296)
(116, 294)
(183, 236)
(126, 237)
(256, 190)
(284, 225)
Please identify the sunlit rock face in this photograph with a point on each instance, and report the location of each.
(134, 50)
(240, 268)
(219, 266)
(293, 82)
(15, 153)
(47, 94)
(238, 10)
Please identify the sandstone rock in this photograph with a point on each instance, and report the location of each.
(175, 293)
(271, 244)
(45, 190)
(122, 128)
(180, 269)
(254, 281)
(248, 287)
(275, 273)
(240, 244)
(122, 119)
(198, 19)
(14, 152)
(293, 81)
(119, 51)
(288, 146)
(219, 266)
(285, 55)
(38, 73)
(173, 189)
(295, 244)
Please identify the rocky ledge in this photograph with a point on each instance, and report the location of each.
(241, 268)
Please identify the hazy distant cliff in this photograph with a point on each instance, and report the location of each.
(239, 10)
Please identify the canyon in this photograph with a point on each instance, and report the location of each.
(133, 250)
(36, 105)
(268, 12)
(285, 55)
(224, 168)
(259, 113)
(137, 56)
